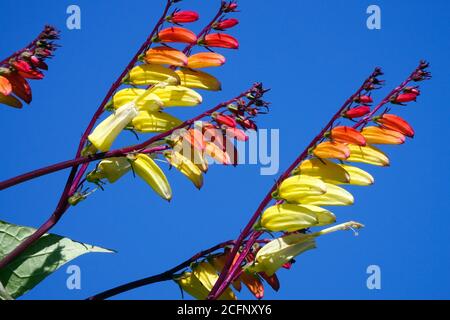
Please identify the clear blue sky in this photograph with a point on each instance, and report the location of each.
(313, 54)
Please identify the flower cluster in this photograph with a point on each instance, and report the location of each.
(27, 63)
(163, 78)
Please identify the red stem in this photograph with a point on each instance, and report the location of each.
(226, 275)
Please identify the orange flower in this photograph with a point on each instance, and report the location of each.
(346, 134)
(218, 154)
(176, 34)
(195, 139)
(205, 60)
(377, 135)
(253, 283)
(166, 55)
(332, 150)
(396, 123)
(20, 87)
(5, 86)
(220, 40)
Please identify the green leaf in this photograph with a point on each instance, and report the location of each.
(41, 259)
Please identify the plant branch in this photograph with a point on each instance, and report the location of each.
(164, 276)
(230, 268)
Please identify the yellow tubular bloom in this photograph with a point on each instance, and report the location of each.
(178, 96)
(335, 196)
(325, 170)
(295, 188)
(280, 251)
(111, 169)
(207, 275)
(107, 131)
(186, 167)
(292, 217)
(358, 177)
(148, 170)
(198, 79)
(147, 74)
(367, 154)
(147, 122)
(190, 284)
(151, 102)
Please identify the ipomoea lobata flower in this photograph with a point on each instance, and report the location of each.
(107, 131)
(111, 169)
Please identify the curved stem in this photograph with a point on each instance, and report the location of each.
(166, 275)
(228, 270)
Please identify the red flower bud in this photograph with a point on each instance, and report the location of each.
(357, 112)
(20, 87)
(225, 120)
(396, 123)
(220, 40)
(405, 97)
(364, 99)
(184, 17)
(21, 65)
(247, 124)
(230, 7)
(271, 281)
(226, 24)
(36, 62)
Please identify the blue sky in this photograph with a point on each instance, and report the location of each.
(313, 55)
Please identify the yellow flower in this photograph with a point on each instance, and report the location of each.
(323, 169)
(107, 131)
(295, 188)
(207, 275)
(335, 196)
(190, 284)
(147, 74)
(358, 177)
(198, 79)
(111, 169)
(147, 122)
(292, 217)
(185, 166)
(367, 154)
(151, 102)
(146, 168)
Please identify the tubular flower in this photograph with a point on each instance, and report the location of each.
(377, 135)
(176, 34)
(20, 87)
(198, 79)
(357, 112)
(207, 275)
(220, 40)
(5, 86)
(185, 16)
(195, 155)
(225, 120)
(111, 169)
(218, 262)
(325, 170)
(107, 131)
(178, 96)
(253, 283)
(235, 133)
(332, 150)
(280, 251)
(358, 177)
(217, 154)
(335, 196)
(292, 217)
(344, 134)
(147, 74)
(151, 102)
(272, 280)
(190, 284)
(363, 99)
(205, 60)
(166, 55)
(405, 97)
(10, 100)
(146, 168)
(396, 123)
(226, 24)
(295, 188)
(368, 154)
(185, 166)
(194, 137)
(147, 122)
